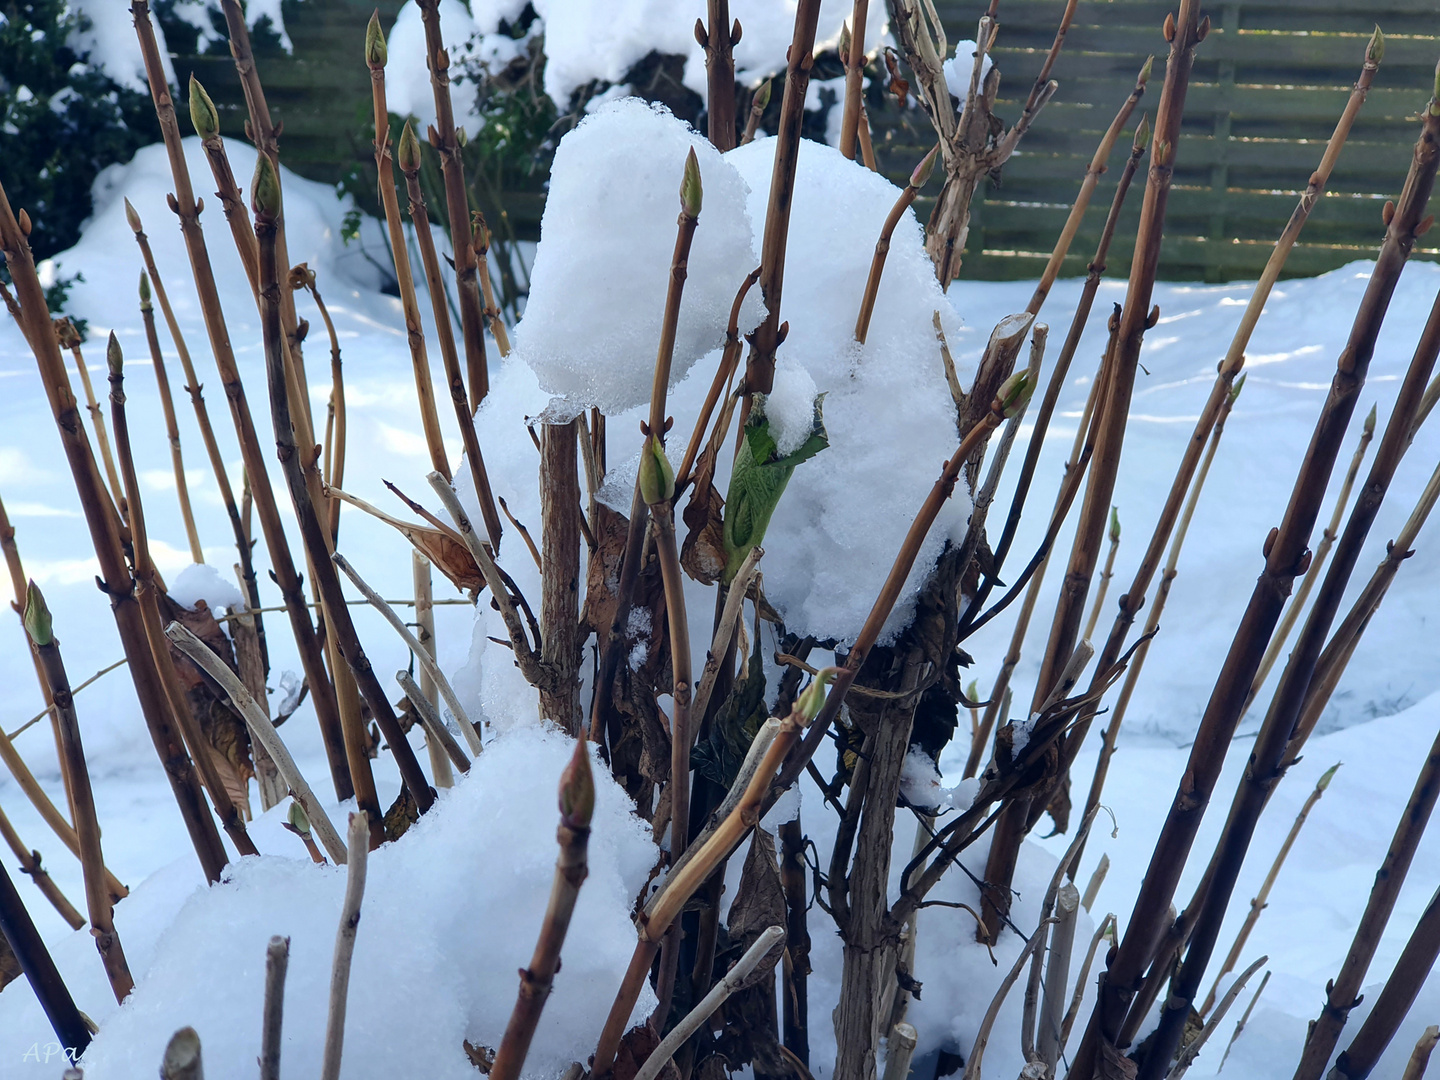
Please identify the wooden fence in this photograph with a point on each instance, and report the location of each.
(1269, 82)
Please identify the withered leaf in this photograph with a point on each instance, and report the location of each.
(402, 814)
(602, 574)
(703, 552)
(718, 758)
(759, 902)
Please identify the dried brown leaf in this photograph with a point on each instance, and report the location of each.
(703, 552)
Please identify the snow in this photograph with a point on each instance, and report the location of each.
(112, 46)
(887, 410)
(585, 42)
(201, 581)
(407, 76)
(483, 862)
(790, 408)
(598, 288)
(959, 69)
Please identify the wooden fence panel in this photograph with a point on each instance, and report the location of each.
(1269, 82)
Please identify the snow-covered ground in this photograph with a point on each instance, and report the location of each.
(1380, 723)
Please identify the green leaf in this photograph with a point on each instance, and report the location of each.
(758, 480)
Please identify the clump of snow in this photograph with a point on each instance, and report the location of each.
(407, 76)
(587, 42)
(959, 69)
(920, 782)
(888, 412)
(790, 408)
(450, 912)
(597, 291)
(108, 37)
(201, 581)
(924, 788)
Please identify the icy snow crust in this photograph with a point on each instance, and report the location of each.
(484, 862)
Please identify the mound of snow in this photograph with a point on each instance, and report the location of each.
(602, 270)
(201, 581)
(450, 913)
(887, 409)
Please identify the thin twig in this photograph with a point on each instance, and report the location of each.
(359, 847)
(277, 959)
(430, 719)
(421, 654)
(737, 977)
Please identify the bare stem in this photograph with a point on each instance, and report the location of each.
(345, 946)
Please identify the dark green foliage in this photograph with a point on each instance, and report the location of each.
(62, 121)
(719, 757)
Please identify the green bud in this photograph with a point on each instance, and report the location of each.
(1235, 390)
(1435, 94)
(1370, 422)
(37, 616)
(461, 139)
(762, 96)
(1329, 774)
(1160, 153)
(375, 51)
(408, 150)
(577, 789)
(922, 172)
(691, 193)
(265, 188)
(113, 356)
(1114, 524)
(133, 218)
(1375, 51)
(1146, 70)
(812, 699)
(657, 478)
(298, 819)
(202, 111)
(1142, 133)
(144, 291)
(1014, 393)
(973, 690)
(845, 43)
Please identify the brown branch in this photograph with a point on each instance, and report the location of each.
(117, 583)
(409, 159)
(561, 520)
(457, 203)
(31, 867)
(577, 803)
(147, 592)
(341, 628)
(345, 947)
(918, 177)
(414, 332)
(1358, 1060)
(87, 824)
(350, 773)
(719, 43)
(1286, 558)
(207, 432)
(854, 80)
(277, 959)
(40, 970)
(760, 365)
(172, 429)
